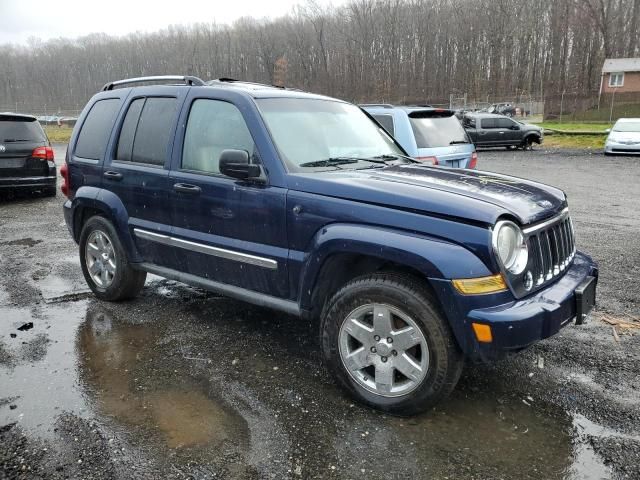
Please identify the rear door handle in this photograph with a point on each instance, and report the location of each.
(112, 175)
(187, 188)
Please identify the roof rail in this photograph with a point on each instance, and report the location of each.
(216, 81)
(383, 105)
(187, 79)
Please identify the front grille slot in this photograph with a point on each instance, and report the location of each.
(552, 248)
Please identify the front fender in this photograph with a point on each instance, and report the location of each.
(109, 205)
(434, 258)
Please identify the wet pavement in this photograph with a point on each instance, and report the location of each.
(181, 383)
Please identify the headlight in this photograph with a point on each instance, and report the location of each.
(510, 247)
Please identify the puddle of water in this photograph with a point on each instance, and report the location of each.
(40, 368)
(21, 242)
(119, 369)
(54, 287)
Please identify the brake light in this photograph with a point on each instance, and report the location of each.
(431, 160)
(64, 172)
(474, 160)
(43, 153)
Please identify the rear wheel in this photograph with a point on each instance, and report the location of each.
(104, 262)
(388, 345)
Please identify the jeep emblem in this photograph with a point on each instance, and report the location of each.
(3, 148)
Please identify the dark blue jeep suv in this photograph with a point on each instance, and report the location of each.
(303, 204)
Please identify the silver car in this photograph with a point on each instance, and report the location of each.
(624, 137)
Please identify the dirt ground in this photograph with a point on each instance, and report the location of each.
(181, 383)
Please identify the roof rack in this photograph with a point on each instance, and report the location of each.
(187, 79)
(216, 81)
(383, 105)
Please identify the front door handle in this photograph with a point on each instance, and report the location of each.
(112, 175)
(187, 188)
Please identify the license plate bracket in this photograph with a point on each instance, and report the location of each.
(585, 296)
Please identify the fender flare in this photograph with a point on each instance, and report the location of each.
(112, 208)
(434, 258)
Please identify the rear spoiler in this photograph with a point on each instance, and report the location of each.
(435, 113)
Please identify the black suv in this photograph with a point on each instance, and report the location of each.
(491, 130)
(26, 157)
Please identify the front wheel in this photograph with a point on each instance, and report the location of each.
(387, 343)
(104, 262)
(527, 143)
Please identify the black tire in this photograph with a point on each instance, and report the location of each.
(126, 282)
(49, 192)
(407, 294)
(527, 143)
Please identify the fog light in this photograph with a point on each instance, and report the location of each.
(483, 332)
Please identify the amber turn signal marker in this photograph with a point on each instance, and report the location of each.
(483, 332)
(477, 286)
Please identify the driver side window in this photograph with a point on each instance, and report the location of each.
(214, 126)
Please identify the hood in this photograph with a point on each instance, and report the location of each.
(530, 128)
(468, 194)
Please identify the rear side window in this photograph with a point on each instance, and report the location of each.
(489, 123)
(437, 131)
(387, 123)
(17, 129)
(153, 130)
(96, 129)
(128, 132)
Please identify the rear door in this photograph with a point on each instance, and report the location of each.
(137, 167)
(438, 133)
(227, 230)
(19, 136)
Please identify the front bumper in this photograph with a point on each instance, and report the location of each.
(517, 324)
(622, 148)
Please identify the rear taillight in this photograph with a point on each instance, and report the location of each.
(43, 153)
(64, 172)
(431, 160)
(474, 160)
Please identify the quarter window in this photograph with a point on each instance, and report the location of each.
(214, 126)
(616, 79)
(96, 129)
(387, 123)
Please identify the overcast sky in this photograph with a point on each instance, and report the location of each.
(45, 19)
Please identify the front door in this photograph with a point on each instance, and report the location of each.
(226, 230)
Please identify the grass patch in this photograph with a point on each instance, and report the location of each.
(58, 134)
(575, 126)
(595, 142)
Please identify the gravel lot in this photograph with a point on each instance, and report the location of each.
(181, 383)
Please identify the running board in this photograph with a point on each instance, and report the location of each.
(260, 299)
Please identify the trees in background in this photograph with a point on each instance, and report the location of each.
(364, 50)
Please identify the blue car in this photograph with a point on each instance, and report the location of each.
(302, 204)
(431, 135)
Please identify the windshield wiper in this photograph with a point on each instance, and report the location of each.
(11, 140)
(330, 162)
(458, 142)
(392, 156)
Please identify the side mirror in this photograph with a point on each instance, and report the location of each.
(515, 127)
(235, 163)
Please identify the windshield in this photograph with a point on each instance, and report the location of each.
(308, 132)
(627, 127)
(20, 130)
(434, 131)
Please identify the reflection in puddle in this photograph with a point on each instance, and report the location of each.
(119, 366)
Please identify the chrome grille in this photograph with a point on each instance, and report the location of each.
(551, 247)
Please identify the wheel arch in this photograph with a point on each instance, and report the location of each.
(91, 201)
(341, 252)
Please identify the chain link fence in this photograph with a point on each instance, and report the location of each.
(581, 107)
(520, 106)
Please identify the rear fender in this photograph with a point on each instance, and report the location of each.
(112, 208)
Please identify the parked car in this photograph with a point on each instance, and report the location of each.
(624, 137)
(431, 135)
(490, 130)
(505, 109)
(26, 157)
(301, 203)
